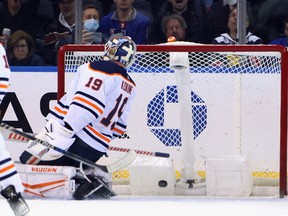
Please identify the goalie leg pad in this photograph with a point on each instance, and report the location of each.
(47, 181)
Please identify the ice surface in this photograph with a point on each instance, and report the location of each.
(162, 206)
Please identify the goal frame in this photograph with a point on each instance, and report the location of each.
(206, 48)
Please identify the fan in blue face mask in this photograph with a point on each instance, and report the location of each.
(91, 25)
(90, 34)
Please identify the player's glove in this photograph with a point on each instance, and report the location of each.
(60, 137)
(54, 133)
(34, 150)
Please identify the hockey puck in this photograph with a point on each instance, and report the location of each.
(162, 183)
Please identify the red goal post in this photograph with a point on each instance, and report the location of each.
(238, 95)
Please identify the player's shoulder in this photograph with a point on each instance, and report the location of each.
(108, 68)
(2, 50)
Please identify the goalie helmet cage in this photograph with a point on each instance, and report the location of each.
(238, 95)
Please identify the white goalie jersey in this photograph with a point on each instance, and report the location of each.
(97, 103)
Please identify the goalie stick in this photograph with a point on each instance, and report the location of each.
(120, 164)
(12, 136)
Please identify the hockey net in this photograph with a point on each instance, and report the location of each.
(197, 102)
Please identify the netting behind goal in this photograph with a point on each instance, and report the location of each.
(198, 101)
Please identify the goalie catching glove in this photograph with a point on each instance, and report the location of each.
(55, 134)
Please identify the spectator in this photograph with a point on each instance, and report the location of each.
(174, 25)
(266, 17)
(65, 24)
(61, 31)
(106, 5)
(21, 50)
(284, 39)
(19, 15)
(142, 6)
(155, 5)
(194, 14)
(207, 4)
(45, 17)
(217, 18)
(126, 20)
(97, 4)
(91, 18)
(231, 36)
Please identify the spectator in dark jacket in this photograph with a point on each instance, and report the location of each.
(19, 15)
(21, 50)
(60, 31)
(194, 14)
(283, 40)
(217, 19)
(64, 25)
(267, 17)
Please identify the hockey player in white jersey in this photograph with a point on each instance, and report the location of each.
(93, 112)
(10, 183)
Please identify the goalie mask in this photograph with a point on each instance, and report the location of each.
(120, 49)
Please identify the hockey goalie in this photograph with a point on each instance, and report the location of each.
(93, 112)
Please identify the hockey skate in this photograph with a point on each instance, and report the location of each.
(16, 201)
(95, 189)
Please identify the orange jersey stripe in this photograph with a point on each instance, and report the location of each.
(89, 103)
(98, 134)
(60, 111)
(11, 166)
(3, 86)
(118, 130)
